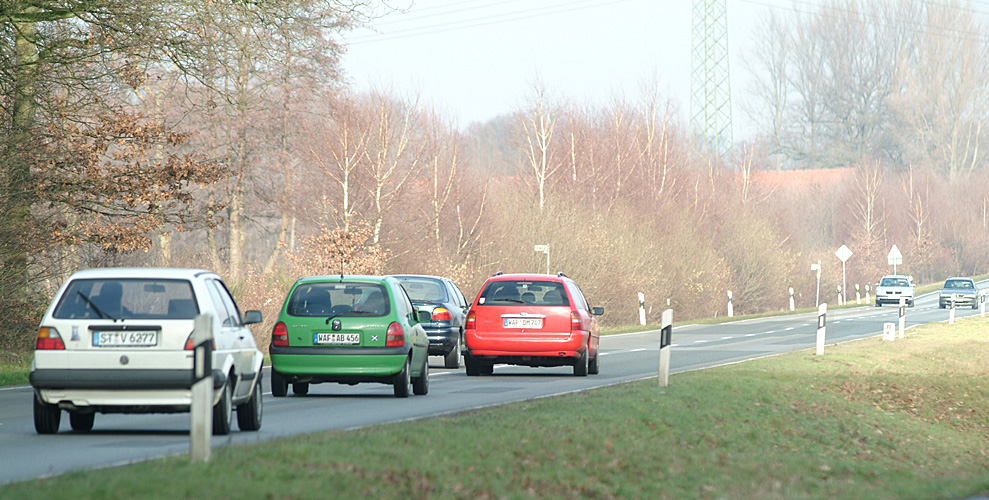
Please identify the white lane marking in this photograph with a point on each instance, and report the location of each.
(751, 334)
(727, 338)
(701, 341)
(788, 329)
(637, 350)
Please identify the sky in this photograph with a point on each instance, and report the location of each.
(473, 60)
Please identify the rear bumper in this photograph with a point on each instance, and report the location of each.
(120, 391)
(116, 380)
(442, 340)
(338, 364)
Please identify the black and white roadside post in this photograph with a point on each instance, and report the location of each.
(867, 301)
(817, 267)
(903, 315)
(201, 409)
(951, 312)
(665, 339)
(858, 295)
(840, 299)
(791, 299)
(642, 308)
(822, 313)
(731, 311)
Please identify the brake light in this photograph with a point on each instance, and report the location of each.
(279, 336)
(575, 322)
(395, 336)
(189, 346)
(471, 322)
(442, 314)
(49, 340)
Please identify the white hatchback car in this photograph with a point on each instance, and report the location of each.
(119, 340)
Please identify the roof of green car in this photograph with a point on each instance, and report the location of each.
(337, 278)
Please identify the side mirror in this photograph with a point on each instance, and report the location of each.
(425, 316)
(252, 317)
(597, 311)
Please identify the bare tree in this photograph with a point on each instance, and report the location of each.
(538, 124)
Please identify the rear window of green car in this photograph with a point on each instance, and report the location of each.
(339, 299)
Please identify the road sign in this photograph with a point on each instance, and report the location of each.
(894, 257)
(843, 253)
(541, 248)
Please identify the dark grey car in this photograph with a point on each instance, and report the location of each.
(448, 307)
(961, 291)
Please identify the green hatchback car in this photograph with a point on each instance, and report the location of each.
(349, 329)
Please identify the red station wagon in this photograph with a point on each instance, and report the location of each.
(531, 320)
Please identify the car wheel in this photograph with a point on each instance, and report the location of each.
(580, 368)
(46, 417)
(403, 381)
(471, 363)
(300, 388)
(82, 422)
(452, 358)
(279, 386)
(250, 412)
(486, 368)
(420, 385)
(592, 365)
(879, 304)
(223, 411)
(940, 305)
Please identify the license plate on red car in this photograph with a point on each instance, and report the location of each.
(337, 338)
(523, 323)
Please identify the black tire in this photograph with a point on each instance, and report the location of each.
(420, 384)
(940, 305)
(592, 366)
(279, 385)
(46, 417)
(223, 410)
(250, 412)
(300, 388)
(82, 422)
(487, 368)
(580, 368)
(403, 381)
(879, 304)
(472, 365)
(452, 358)
(975, 306)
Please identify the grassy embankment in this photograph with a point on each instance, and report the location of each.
(869, 419)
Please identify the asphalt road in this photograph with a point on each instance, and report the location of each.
(121, 439)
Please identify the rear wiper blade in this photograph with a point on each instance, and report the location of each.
(93, 307)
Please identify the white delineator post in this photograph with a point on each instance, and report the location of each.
(791, 299)
(903, 315)
(642, 308)
(822, 312)
(867, 294)
(841, 300)
(665, 339)
(951, 312)
(889, 331)
(201, 407)
(731, 311)
(858, 295)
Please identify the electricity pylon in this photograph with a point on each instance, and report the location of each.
(710, 94)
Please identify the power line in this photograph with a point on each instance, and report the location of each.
(484, 21)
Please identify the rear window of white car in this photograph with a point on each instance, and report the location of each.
(894, 282)
(127, 299)
(526, 292)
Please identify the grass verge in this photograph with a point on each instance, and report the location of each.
(899, 420)
(14, 368)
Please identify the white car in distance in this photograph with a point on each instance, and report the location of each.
(119, 340)
(892, 287)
